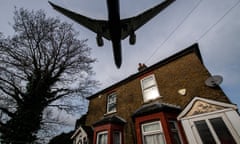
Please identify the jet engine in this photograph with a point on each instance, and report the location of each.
(132, 38)
(99, 40)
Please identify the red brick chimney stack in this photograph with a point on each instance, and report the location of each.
(141, 66)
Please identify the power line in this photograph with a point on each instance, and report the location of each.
(185, 18)
(219, 20)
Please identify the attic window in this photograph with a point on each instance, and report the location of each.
(149, 88)
(111, 103)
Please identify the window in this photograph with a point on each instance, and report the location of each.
(222, 131)
(175, 132)
(102, 137)
(111, 103)
(116, 137)
(149, 88)
(85, 141)
(214, 130)
(80, 142)
(152, 133)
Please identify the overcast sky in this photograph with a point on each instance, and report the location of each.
(214, 24)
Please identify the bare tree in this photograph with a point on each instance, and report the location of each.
(43, 62)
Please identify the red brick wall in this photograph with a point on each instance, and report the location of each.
(163, 118)
(110, 128)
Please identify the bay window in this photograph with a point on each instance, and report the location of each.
(175, 132)
(214, 130)
(102, 137)
(152, 133)
(116, 137)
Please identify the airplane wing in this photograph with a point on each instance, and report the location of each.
(132, 24)
(97, 26)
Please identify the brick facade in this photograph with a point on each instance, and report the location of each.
(182, 70)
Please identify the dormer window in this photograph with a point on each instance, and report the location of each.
(149, 88)
(112, 103)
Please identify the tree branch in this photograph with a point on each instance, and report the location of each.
(6, 111)
(14, 96)
(58, 96)
(16, 89)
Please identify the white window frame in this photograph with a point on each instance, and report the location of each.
(160, 131)
(114, 102)
(206, 119)
(101, 133)
(146, 98)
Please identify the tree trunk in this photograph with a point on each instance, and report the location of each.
(23, 126)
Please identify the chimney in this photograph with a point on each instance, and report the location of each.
(141, 67)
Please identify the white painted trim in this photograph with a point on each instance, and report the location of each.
(190, 105)
(207, 114)
(160, 131)
(229, 116)
(234, 119)
(102, 132)
(188, 132)
(113, 111)
(155, 85)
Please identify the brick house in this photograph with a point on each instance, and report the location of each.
(167, 102)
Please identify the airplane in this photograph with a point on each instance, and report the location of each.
(114, 29)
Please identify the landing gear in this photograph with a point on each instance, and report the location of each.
(99, 40)
(132, 38)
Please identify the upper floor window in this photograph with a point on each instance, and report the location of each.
(149, 88)
(112, 103)
(152, 133)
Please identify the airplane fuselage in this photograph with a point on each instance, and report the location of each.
(115, 29)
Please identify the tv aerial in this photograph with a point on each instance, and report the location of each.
(214, 81)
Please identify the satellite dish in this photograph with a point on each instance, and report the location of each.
(214, 81)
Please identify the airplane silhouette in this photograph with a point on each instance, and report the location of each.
(114, 29)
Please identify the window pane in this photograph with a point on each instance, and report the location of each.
(204, 132)
(148, 82)
(112, 98)
(116, 138)
(112, 107)
(111, 103)
(222, 131)
(151, 127)
(154, 139)
(172, 125)
(174, 131)
(150, 93)
(102, 138)
(152, 133)
(176, 139)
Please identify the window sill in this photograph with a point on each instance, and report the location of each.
(110, 113)
(152, 100)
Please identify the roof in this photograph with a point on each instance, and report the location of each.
(192, 49)
(110, 120)
(155, 107)
(209, 101)
(87, 129)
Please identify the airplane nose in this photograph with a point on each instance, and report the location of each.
(118, 64)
